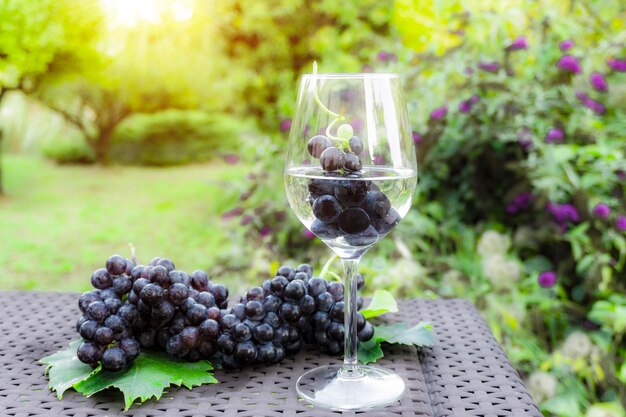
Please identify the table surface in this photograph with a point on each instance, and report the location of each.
(465, 374)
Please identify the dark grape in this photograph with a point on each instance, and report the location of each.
(360, 321)
(272, 303)
(254, 294)
(206, 299)
(377, 204)
(326, 208)
(108, 293)
(287, 272)
(307, 305)
(169, 265)
(353, 220)
(278, 285)
(318, 144)
(97, 311)
(88, 329)
(190, 337)
(112, 304)
(220, 293)
(130, 347)
(351, 162)
(116, 265)
(241, 332)
(228, 322)
(266, 353)
(351, 193)
(151, 294)
(324, 301)
(129, 267)
(263, 333)
(385, 224)
(160, 276)
(178, 293)
(301, 276)
(305, 268)
(146, 338)
(366, 333)
(209, 329)
(197, 313)
(164, 312)
(254, 310)
(101, 279)
(356, 145)
(320, 320)
(245, 353)
(175, 347)
(365, 238)
(200, 280)
(155, 261)
(115, 323)
(272, 319)
(136, 272)
(325, 230)
(103, 336)
(295, 290)
(318, 187)
(332, 159)
(139, 284)
(336, 290)
(81, 320)
(316, 286)
(290, 312)
(225, 344)
(89, 353)
(86, 299)
(122, 285)
(336, 331)
(336, 312)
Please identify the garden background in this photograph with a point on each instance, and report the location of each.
(164, 123)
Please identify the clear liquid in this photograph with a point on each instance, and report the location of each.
(397, 185)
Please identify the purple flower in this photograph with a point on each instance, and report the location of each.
(237, 211)
(468, 70)
(357, 124)
(384, 56)
(265, 231)
(568, 63)
(417, 138)
(618, 65)
(566, 45)
(489, 66)
(307, 234)
(620, 174)
(281, 215)
(525, 139)
(595, 106)
(439, 112)
(554, 135)
(581, 95)
(547, 279)
(598, 82)
(247, 219)
(474, 99)
(520, 202)
(465, 106)
(563, 214)
(231, 159)
(285, 125)
(601, 210)
(519, 43)
(379, 160)
(620, 223)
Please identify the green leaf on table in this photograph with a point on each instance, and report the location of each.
(420, 335)
(148, 376)
(369, 351)
(64, 369)
(382, 302)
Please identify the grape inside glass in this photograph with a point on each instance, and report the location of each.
(350, 177)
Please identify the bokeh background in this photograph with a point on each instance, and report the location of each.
(164, 123)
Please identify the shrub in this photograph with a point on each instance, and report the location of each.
(69, 150)
(173, 137)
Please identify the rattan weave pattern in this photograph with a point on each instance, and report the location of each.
(465, 374)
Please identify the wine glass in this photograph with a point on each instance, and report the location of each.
(350, 176)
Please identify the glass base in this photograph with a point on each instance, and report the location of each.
(330, 387)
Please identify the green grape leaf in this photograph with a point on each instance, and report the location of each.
(148, 376)
(420, 335)
(64, 369)
(382, 302)
(369, 351)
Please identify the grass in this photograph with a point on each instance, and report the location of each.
(59, 223)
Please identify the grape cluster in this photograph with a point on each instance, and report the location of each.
(344, 204)
(106, 323)
(159, 307)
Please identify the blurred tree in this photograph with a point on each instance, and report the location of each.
(147, 67)
(42, 40)
(269, 43)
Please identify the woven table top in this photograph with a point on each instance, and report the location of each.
(465, 374)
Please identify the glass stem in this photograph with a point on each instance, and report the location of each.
(350, 367)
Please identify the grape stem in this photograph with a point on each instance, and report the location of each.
(344, 143)
(133, 253)
(327, 265)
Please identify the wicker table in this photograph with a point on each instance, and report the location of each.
(464, 374)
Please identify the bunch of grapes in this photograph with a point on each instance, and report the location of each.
(344, 204)
(106, 323)
(159, 307)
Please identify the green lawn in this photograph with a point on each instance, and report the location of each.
(59, 223)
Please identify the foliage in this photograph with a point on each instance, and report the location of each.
(173, 137)
(148, 376)
(69, 151)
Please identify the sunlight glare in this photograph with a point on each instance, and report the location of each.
(133, 12)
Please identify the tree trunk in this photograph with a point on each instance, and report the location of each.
(102, 143)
